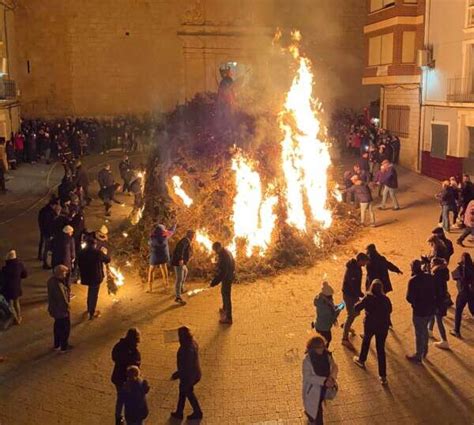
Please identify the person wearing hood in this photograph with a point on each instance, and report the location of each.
(159, 253)
(134, 393)
(319, 373)
(124, 354)
(464, 277)
(188, 373)
(12, 273)
(439, 270)
(326, 312)
(378, 309)
(421, 295)
(378, 268)
(351, 290)
(438, 231)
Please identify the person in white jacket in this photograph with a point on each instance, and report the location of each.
(319, 373)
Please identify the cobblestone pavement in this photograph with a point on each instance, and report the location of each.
(252, 370)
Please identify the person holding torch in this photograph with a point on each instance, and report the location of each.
(225, 274)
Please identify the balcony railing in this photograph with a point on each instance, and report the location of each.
(461, 89)
(7, 89)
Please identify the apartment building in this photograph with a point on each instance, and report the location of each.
(448, 93)
(394, 33)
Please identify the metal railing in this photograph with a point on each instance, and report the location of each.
(7, 89)
(461, 89)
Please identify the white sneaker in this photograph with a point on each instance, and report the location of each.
(442, 344)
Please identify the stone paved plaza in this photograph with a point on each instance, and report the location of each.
(252, 370)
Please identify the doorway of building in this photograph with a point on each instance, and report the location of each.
(468, 163)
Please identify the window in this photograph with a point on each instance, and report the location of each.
(408, 47)
(439, 140)
(381, 49)
(380, 4)
(398, 120)
(470, 14)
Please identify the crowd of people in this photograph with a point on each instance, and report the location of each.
(68, 140)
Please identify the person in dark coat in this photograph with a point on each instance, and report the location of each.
(225, 274)
(46, 218)
(58, 307)
(64, 250)
(159, 253)
(363, 195)
(125, 169)
(182, 253)
(378, 309)
(91, 267)
(421, 294)
(134, 393)
(12, 273)
(188, 373)
(124, 354)
(389, 179)
(467, 193)
(438, 231)
(378, 268)
(82, 179)
(65, 189)
(464, 277)
(108, 187)
(351, 292)
(447, 200)
(440, 272)
(438, 249)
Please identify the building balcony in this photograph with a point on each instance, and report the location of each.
(7, 89)
(460, 89)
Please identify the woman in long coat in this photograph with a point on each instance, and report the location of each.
(159, 253)
(319, 373)
(12, 273)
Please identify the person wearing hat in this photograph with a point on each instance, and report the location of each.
(64, 250)
(378, 309)
(101, 237)
(12, 273)
(326, 312)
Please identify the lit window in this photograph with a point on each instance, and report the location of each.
(381, 50)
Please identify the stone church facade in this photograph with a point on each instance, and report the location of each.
(108, 57)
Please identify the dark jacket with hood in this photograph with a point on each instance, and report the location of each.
(441, 278)
(421, 294)
(189, 369)
(91, 265)
(46, 217)
(12, 273)
(124, 354)
(377, 312)
(378, 268)
(183, 251)
(352, 282)
(133, 394)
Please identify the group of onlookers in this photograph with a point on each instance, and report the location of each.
(429, 298)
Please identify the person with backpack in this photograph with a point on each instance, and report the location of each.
(124, 354)
(378, 309)
(319, 375)
(326, 312)
(464, 277)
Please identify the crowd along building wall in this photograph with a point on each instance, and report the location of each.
(108, 57)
